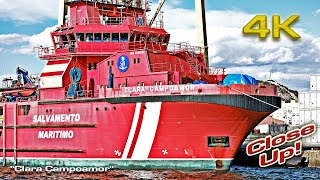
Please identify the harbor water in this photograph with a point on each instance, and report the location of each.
(236, 172)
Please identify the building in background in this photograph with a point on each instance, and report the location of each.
(297, 114)
(309, 107)
(289, 113)
(271, 125)
(281, 120)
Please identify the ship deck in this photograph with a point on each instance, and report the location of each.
(239, 101)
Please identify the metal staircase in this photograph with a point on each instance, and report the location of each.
(193, 66)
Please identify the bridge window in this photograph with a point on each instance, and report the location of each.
(89, 37)
(165, 40)
(23, 110)
(138, 60)
(138, 37)
(72, 40)
(65, 41)
(159, 39)
(131, 37)
(154, 39)
(143, 38)
(71, 37)
(124, 37)
(57, 41)
(115, 37)
(97, 37)
(106, 37)
(149, 39)
(95, 66)
(80, 37)
(112, 63)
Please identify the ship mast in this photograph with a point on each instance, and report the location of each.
(202, 28)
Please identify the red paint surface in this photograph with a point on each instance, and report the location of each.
(182, 126)
(58, 73)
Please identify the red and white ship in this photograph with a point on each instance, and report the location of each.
(115, 92)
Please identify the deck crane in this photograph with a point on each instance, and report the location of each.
(23, 76)
(201, 25)
(161, 3)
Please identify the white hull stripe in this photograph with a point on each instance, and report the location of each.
(147, 132)
(52, 68)
(55, 68)
(132, 131)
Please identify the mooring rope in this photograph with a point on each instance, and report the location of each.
(255, 98)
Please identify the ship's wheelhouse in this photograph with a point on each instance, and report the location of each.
(102, 39)
(99, 37)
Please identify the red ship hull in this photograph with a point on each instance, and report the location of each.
(157, 134)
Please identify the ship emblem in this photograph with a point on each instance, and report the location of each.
(123, 63)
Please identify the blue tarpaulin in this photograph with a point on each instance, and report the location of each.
(198, 82)
(239, 79)
(252, 80)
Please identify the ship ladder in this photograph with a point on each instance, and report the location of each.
(192, 64)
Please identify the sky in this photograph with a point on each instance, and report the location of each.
(26, 24)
